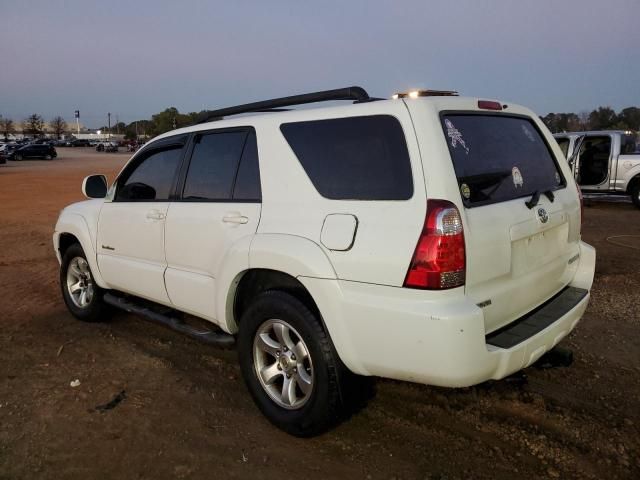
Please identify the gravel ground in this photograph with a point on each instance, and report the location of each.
(185, 412)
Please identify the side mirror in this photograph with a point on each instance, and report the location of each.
(95, 186)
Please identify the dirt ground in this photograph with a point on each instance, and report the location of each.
(187, 414)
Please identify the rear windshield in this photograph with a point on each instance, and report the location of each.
(499, 158)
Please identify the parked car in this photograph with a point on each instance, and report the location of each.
(430, 238)
(107, 147)
(79, 142)
(34, 151)
(604, 162)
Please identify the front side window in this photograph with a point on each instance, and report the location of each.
(151, 179)
(563, 143)
(213, 167)
(356, 158)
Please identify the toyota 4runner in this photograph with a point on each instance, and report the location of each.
(430, 238)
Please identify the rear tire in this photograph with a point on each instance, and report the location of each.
(635, 193)
(82, 296)
(290, 366)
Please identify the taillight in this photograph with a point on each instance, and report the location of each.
(439, 259)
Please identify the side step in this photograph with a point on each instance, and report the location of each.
(212, 337)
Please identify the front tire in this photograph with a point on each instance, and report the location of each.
(82, 296)
(635, 193)
(290, 365)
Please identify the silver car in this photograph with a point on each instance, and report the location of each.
(604, 161)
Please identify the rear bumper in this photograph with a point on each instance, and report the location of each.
(410, 335)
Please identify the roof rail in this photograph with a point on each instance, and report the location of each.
(357, 94)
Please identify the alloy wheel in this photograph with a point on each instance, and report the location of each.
(79, 282)
(283, 364)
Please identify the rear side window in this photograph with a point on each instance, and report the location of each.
(498, 158)
(247, 187)
(357, 158)
(213, 166)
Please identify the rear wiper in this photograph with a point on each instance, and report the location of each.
(535, 198)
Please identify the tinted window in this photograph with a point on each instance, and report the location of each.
(213, 166)
(498, 157)
(630, 145)
(359, 158)
(247, 185)
(563, 143)
(152, 179)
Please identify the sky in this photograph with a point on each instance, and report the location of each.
(137, 57)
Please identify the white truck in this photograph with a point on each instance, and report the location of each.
(604, 162)
(429, 238)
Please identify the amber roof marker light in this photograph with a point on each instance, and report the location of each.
(416, 93)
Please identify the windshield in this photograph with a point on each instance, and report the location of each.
(498, 158)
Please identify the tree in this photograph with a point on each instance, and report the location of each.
(603, 118)
(630, 118)
(33, 125)
(7, 127)
(58, 125)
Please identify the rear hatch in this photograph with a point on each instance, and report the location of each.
(517, 257)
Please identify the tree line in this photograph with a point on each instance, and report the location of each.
(33, 125)
(602, 118)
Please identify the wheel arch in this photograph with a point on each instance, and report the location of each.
(273, 260)
(72, 228)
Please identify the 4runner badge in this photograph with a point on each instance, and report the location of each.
(543, 215)
(518, 181)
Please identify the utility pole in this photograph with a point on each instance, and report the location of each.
(77, 115)
(117, 124)
(109, 117)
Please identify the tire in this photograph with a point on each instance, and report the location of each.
(299, 412)
(635, 193)
(18, 157)
(85, 302)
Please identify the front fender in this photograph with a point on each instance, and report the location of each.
(76, 225)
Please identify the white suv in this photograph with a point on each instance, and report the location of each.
(429, 238)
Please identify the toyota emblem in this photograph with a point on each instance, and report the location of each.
(543, 215)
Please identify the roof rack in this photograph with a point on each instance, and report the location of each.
(357, 94)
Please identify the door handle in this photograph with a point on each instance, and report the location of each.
(235, 218)
(155, 215)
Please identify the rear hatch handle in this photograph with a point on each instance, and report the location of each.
(535, 198)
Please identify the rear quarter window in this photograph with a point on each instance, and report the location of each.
(499, 157)
(356, 158)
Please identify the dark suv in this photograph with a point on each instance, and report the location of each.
(34, 151)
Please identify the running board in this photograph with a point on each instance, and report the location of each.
(212, 337)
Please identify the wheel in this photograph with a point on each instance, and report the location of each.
(81, 295)
(18, 157)
(290, 365)
(635, 193)
(48, 157)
